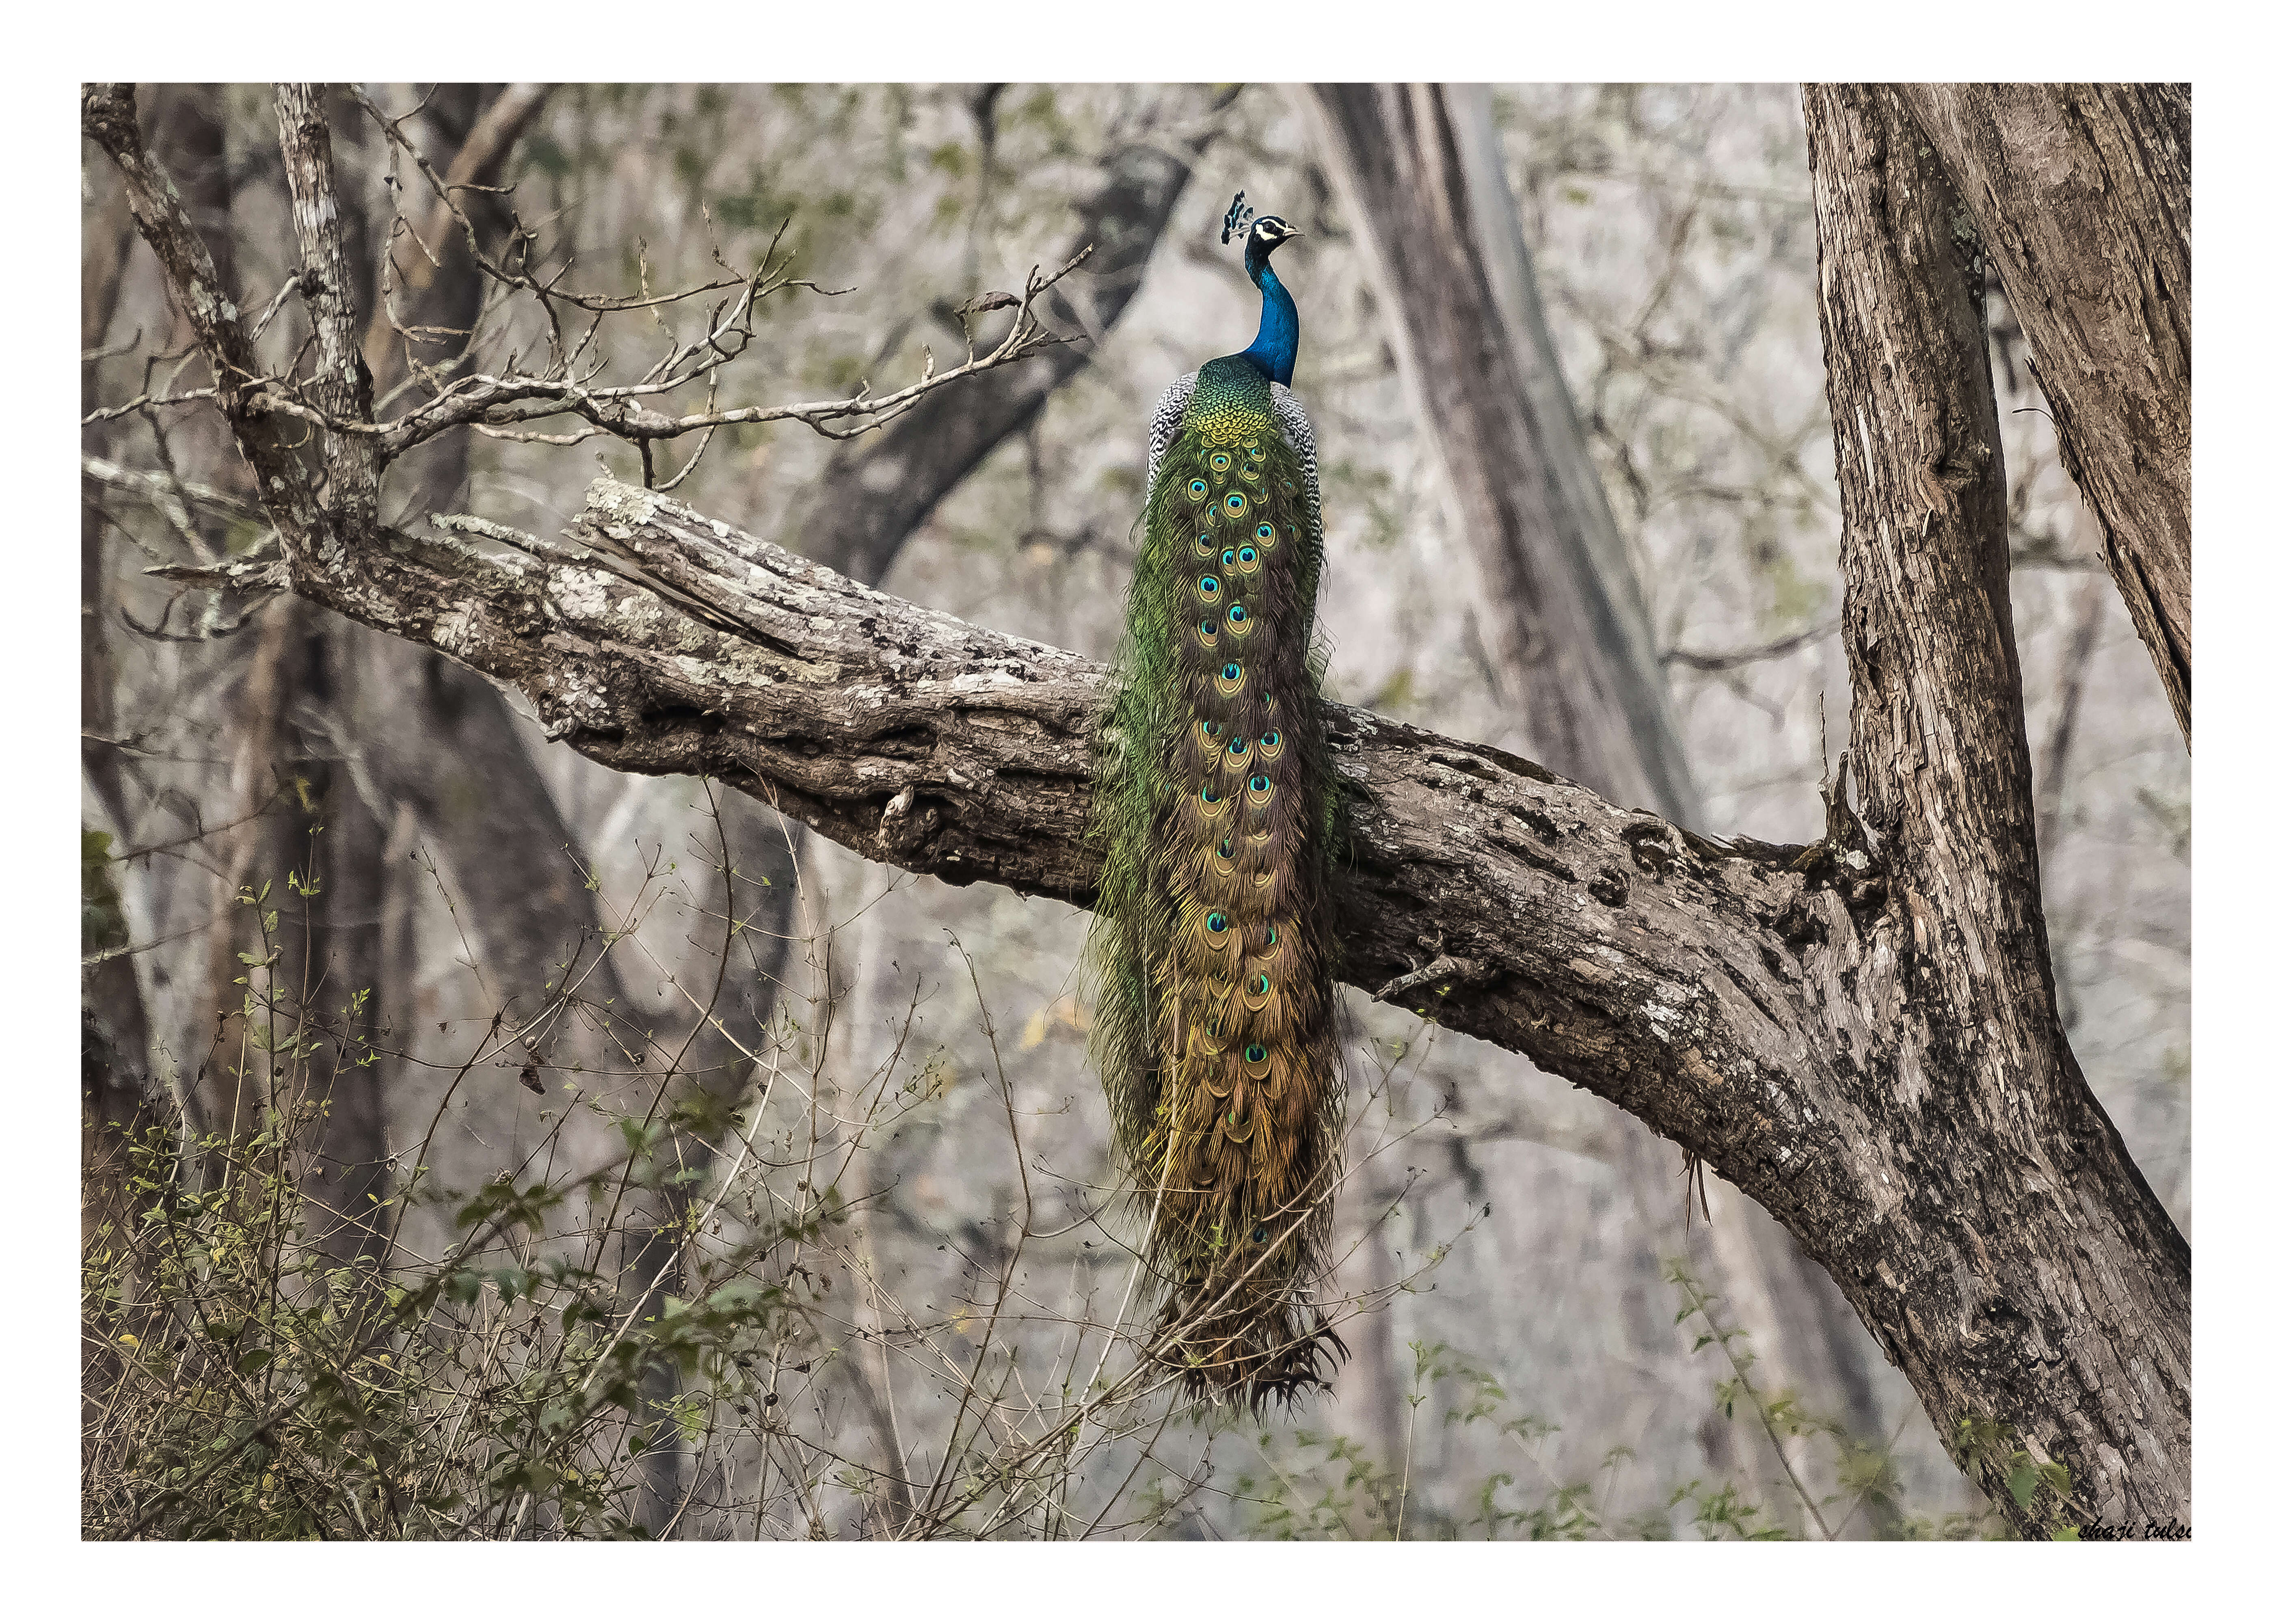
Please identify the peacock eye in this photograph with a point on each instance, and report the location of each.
(1208, 628)
(1239, 615)
(1235, 504)
(1231, 672)
(1239, 746)
(1229, 556)
(1224, 847)
(1211, 728)
(1263, 533)
(1247, 555)
(1271, 937)
(1259, 784)
(1260, 985)
(1217, 924)
(1208, 795)
(1210, 584)
(1257, 1054)
(1197, 489)
(1271, 740)
(1261, 1234)
(1221, 461)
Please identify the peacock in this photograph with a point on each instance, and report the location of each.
(1212, 960)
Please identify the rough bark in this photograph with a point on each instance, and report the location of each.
(2088, 1361)
(270, 443)
(2082, 194)
(1785, 1015)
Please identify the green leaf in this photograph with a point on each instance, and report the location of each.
(2022, 1481)
(254, 1359)
(2069, 1532)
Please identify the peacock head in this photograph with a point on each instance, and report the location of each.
(1263, 232)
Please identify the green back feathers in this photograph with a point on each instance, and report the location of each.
(1212, 962)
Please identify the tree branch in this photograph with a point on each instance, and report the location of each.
(107, 114)
(480, 159)
(341, 386)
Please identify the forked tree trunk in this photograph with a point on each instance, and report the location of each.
(1981, 1107)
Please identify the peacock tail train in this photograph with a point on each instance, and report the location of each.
(1212, 961)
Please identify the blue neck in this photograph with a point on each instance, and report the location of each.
(1274, 349)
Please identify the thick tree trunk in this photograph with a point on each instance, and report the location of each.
(2082, 194)
(116, 1080)
(1967, 1046)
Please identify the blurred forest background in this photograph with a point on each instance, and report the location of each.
(476, 956)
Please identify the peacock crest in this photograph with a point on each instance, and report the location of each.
(1213, 957)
